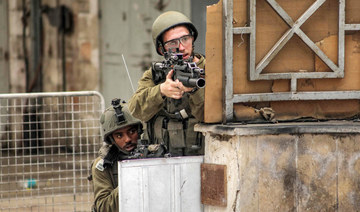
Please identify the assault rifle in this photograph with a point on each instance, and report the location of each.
(147, 151)
(186, 72)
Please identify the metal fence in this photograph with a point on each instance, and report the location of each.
(48, 141)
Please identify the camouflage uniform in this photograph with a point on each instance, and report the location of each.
(147, 104)
(104, 168)
(164, 126)
(104, 173)
(148, 101)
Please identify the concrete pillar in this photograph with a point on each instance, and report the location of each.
(288, 166)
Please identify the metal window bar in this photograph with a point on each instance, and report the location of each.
(48, 141)
(255, 69)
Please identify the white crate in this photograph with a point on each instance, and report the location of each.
(161, 185)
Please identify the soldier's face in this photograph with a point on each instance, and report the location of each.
(126, 138)
(176, 33)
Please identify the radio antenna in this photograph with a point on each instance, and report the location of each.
(132, 86)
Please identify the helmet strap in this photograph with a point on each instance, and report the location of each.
(193, 50)
(140, 130)
(161, 48)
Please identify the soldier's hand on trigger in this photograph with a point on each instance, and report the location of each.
(171, 88)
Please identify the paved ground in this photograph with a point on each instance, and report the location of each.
(61, 183)
(58, 203)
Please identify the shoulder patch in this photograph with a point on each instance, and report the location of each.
(100, 165)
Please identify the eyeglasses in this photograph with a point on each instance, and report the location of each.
(175, 43)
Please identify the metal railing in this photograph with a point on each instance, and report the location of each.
(48, 141)
(255, 70)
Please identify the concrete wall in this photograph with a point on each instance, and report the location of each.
(76, 69)
(4, 48)
(287, 167)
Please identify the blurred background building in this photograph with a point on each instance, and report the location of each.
(64, 45)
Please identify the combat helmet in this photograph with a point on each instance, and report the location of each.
(169, 20)
(116, 117)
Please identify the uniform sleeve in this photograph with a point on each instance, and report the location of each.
(147, 100)
(197, 104)
(106, 198)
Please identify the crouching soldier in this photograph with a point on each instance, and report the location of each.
(121, 134)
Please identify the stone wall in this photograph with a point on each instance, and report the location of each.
(287, 167)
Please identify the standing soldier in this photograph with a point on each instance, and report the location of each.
(170, 109)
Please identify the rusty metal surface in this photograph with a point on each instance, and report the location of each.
(213, 184)
(255, 70)
(330, 127)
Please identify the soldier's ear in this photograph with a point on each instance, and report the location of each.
(161, 49)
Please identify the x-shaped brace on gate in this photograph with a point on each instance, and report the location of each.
(295, 29)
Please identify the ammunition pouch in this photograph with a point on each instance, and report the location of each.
(176, 134)
(179, 136)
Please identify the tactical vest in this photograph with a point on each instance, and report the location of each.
(173, 126)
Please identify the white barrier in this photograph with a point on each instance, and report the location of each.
(161, 185)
